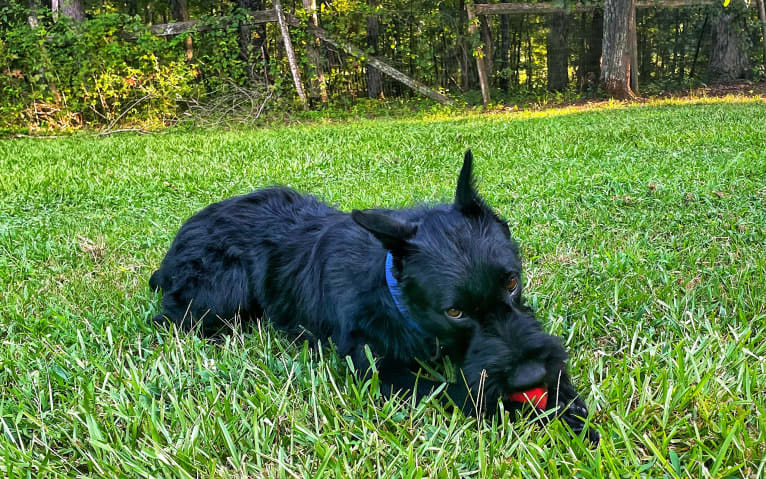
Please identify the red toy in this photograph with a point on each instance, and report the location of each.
(538, 397)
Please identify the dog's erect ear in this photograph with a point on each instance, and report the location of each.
(467, 200)
(393, 233)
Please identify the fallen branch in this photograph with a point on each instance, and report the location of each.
(124, 130)
(106, 130)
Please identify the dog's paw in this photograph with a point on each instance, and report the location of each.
(574, 415)
(576, 408)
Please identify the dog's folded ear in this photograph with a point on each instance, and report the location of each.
(467, 199)
(392, 232)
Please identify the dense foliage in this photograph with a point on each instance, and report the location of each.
(109, 67)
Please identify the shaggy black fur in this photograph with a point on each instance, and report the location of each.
(305, 266)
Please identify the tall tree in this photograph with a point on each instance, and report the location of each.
(728, 61)
(317, 82)
(486, 39)
(374, 79)
(616, 57)
(180, 11)
(505, 47)
(589, 63)
(558, 51)
(762, 17)
(468, 74)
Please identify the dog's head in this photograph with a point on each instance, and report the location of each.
(515, 355)
(460, 276)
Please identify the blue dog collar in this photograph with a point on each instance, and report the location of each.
(396, 293)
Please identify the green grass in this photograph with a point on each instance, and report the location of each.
(644, 236)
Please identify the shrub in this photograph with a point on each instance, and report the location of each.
(62, 74)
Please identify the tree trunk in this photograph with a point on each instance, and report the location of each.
(682, 55)
(411, 44)
(615, 76)
(517, 47)
(505, 50)
(480, 52)
(558, 51)
(486, 39)
(180, 11)
(251, 40)
(317, 81)
(643, 52)
(530, 64)
(374, 79)
(590, 62)
(762, 17)
(633, 45)
(581, 49)
(728, 61)
(73, 9)
(290, 54)
(464, 52)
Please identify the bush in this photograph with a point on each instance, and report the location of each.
(62, 74)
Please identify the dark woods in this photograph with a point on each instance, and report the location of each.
(87, 62)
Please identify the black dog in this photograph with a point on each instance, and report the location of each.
(414, 284)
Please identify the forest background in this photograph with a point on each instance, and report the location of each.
(68, 64)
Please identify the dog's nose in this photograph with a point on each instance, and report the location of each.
(527, 375)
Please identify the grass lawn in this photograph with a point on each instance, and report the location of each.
(643, 231)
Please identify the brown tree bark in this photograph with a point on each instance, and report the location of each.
(317, 82)
(518, 44)
(589, 61)
(481, 65)
(728, 61)
(180, 11)
(633, 45)
(558, 51)
(762, 17)
(616, 59)
(529, 62)
(374, 78)
(73, 9)
(489, 53)
(464, 53)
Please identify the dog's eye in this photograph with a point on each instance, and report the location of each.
(512, 285)
(453, 313)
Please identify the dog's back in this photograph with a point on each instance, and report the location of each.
(224, 259)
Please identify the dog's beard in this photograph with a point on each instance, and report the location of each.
(512, 356)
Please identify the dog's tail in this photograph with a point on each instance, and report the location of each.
(155, 280)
